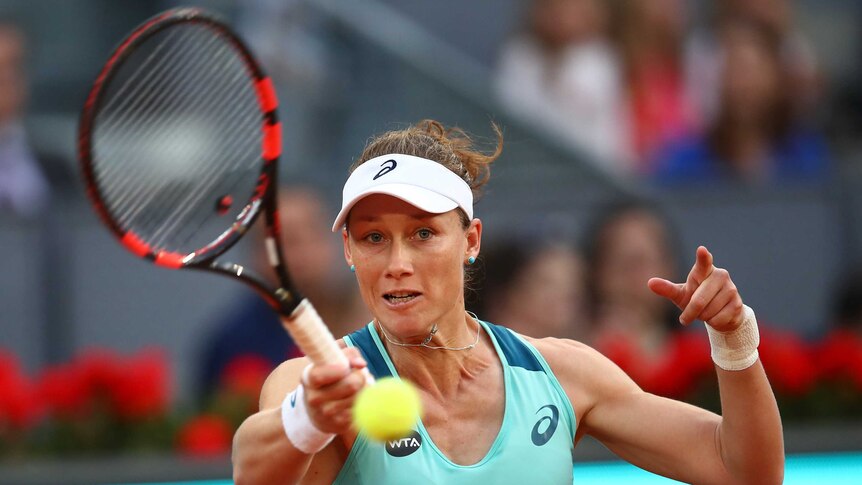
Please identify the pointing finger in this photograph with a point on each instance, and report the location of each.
(702, 266)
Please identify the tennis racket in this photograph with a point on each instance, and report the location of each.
(179, 145)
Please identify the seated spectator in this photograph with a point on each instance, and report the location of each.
(561, 74)
(755, 138)
(539, 290)
(24, 187)
(252, 329)
(628, 243)
(775, 19)
(649, 35)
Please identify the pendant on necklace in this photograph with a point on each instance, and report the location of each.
(430, 335)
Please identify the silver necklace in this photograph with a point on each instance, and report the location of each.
(431, 335)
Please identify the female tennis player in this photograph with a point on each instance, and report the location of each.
(498, 407)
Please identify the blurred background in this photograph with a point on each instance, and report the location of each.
(635, 130)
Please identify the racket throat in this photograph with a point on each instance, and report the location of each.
(287, 300)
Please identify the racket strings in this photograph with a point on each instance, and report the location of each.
(171, 138)
(124, 98)
(134, 177)
(179, 129)
(128, 118)
(185, 206)
(117, 120)
(205, 185)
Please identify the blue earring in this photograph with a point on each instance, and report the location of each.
(352, 268)
(471, 260)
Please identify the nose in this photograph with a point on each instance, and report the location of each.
(400, 261)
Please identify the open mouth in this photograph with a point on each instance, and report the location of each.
(400, 297)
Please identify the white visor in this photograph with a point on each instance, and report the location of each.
(420, 182)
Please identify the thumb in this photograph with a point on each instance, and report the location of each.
(672, 291)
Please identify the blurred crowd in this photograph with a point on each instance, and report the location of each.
(636, 86)
(592, 289)
(646, 93)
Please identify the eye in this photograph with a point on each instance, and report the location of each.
(374, 237)
(424, 234)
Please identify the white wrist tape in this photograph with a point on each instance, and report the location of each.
(737, 349)
(298, 426)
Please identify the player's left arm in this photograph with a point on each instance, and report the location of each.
(671, 438)
(749, 438)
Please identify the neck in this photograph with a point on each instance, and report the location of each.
(441, 371)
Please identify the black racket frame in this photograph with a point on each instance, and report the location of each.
(283, 299)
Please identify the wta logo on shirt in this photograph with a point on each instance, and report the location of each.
(542, 437)
(404, 446)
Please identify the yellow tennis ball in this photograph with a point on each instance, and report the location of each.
(387, 410)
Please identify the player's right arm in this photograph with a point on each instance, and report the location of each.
(262, 452)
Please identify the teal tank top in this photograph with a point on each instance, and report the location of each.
(534, 445)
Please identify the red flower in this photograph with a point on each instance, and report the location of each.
(9, 367)
(685, 360)
(839, 356)
(65, 392)
(245, 375)
(20, 402)
(788, 362)
(205, 435)
(99, 369)
(622, 351)
(674, 373)
(141, 388)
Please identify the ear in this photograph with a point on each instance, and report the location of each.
(345, 238)
(474, 238)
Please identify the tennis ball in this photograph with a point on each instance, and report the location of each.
(387, 410)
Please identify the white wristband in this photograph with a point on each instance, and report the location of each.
(737, 349)
(298, 426)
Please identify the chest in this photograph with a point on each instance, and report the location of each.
(465, 425)
(524, 437)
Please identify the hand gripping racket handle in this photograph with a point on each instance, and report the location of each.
(312, 336)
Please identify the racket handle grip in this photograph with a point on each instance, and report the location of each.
(312, 336)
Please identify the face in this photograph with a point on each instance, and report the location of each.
(308, 249)
(661, 16)
(751, 76)
(306, 240)
(560, 22)
(409, 263)
(776, 14)
(635, 249)
(546, 299)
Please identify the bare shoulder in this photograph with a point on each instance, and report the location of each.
(280, 381)
(570, 356)
(551, 347)
(586, 375)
